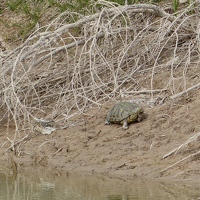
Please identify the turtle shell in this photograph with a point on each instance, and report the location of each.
(124, 110)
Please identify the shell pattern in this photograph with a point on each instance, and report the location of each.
(124, 110)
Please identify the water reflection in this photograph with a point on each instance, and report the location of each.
(35, 184)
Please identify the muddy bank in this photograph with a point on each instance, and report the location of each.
(158, 64)
(91, 146)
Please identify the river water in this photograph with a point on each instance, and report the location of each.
(45, 184)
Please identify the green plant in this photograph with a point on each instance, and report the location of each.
(175, 5)
(32, 13)
(14, 4)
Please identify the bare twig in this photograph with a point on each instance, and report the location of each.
(191, 139)
(197, 86)
(176, 163)
(14, 143)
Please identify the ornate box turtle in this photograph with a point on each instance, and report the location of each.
(124, 113)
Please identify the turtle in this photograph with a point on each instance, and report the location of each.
(124, 113)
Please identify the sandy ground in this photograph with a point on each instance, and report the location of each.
(137, 152)
(91, 146)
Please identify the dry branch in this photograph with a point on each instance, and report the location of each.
(186, 91)
(176, 163)
(191, 139)
(63, 69)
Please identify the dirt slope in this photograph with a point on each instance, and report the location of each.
(92, 146)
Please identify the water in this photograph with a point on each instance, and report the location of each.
(44, 184)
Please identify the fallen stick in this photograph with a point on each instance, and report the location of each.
(194, 154)
(191, 139)
(186, 91)
(13, 144)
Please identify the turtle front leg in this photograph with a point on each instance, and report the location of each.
(125, 124)
(107, 122)
(139, 117)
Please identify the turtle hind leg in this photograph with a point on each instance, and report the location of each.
(125, 124)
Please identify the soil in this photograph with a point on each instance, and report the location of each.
(91, 146)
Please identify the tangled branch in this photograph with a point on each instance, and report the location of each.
(63, 69)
